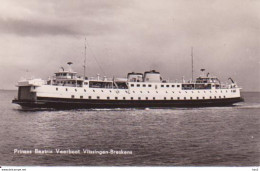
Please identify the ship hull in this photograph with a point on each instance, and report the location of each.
(63, 103)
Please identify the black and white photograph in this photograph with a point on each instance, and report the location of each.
(129, 84)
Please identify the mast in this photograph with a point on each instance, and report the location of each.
(191, 64)
(85, 60)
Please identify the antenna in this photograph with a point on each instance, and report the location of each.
(85, 60)
(191, 64)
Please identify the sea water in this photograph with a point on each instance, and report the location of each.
(209, 136)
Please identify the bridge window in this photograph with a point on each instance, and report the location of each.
(167, 86)
(173, 85)
(132, 85)
(144, 85)
(162, 85)
(137, 85)
(178, 85)
(149, 85)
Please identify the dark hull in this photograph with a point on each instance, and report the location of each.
(62, 103)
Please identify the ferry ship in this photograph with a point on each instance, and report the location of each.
(67, 90)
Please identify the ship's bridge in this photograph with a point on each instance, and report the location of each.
(207, 80)
(65, 75)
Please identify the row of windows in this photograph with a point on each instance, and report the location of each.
(149, 91)
(149, 85)
(139, 98)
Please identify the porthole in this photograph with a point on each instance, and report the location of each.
(139, 98)
(146, 98)
(116, 98)
(153, 98)
(98, 97)
(171, 98)
(164, 98)
(75, 89)
(93, 90)
(108, 98)
(89, 97)
(81, 97)
(72, 96)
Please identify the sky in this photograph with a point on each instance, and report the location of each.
(38, 37)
